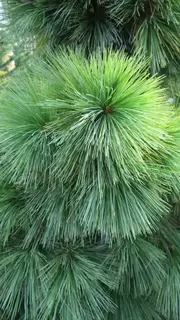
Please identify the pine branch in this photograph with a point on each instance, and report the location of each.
(106, 155)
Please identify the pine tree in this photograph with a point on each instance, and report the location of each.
(90, 162)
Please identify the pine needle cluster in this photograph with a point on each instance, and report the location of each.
(90, 163)
(87, 169)
(149, 24)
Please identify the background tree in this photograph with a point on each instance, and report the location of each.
(14, 51)
(90, 162)
(7, 63)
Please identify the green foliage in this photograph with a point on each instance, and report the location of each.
(23, 282)
(92, 123)
(90, 161)
(167, 300)
(88, 151)
(139, 267)
(151, 25)
(157, 24)
(11, 204)
(58, 284)
(130, 308)
(75, 285)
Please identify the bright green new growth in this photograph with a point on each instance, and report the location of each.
(87, 168)
(95, 130)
